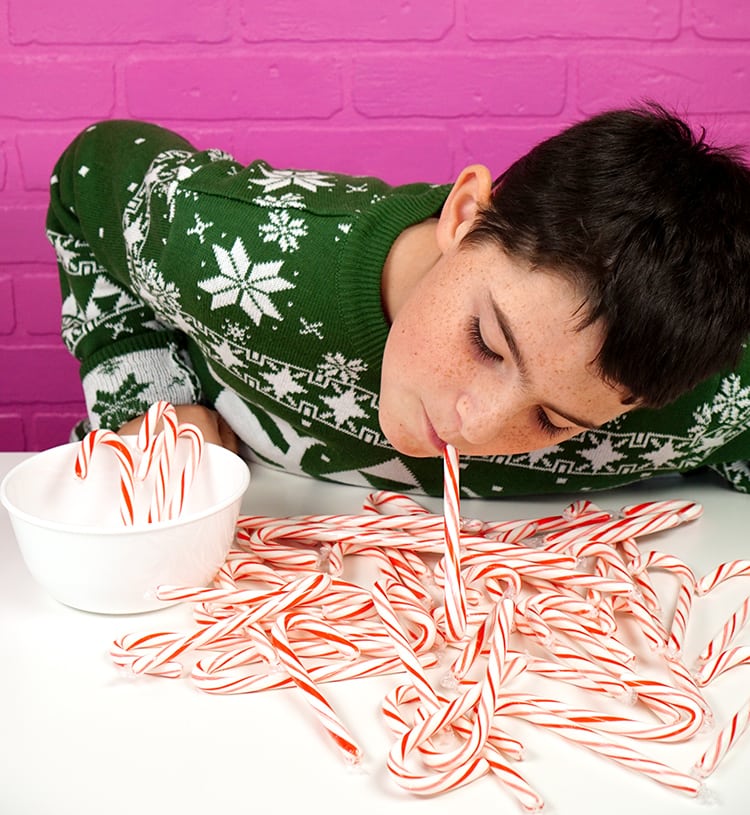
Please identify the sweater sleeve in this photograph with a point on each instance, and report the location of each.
(129, 358)
(735, 473)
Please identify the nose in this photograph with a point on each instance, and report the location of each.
(484, 416)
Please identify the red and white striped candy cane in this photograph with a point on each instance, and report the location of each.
(234, 680)
(317, 701)
(687, 510)
(402, 645)
(617, 530)
(724, 740)
(732, 568)
(728, 632)
(159, 448)
(194, 436)
(722, 662)
(110, 439)
(686, 591)
(392, 503)
(603, 745)
(455, 590)
(500, 621)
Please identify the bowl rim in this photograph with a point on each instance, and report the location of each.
(137, 528)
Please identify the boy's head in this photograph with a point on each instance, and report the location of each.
(653, 226)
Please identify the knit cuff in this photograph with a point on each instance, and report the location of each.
(121, 388)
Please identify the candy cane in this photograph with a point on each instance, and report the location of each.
(687, 588)
(455, 590)
(605, 746)
(724, 661)
(194, 436)
(159, 447)
(725, 739)
(569, 598)
(733, 568)
(317, 701)
(728, 632)
(125, 460)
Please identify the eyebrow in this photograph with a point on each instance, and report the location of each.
(515, 352)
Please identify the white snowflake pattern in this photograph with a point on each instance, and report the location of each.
(345, 407)
(163, 296)
(234, 331)
(278, 179)
(541, 455)
(226, 353)
(283, 229)
(602, 455)
(63, 246)
(718, 421)
(244, 282)
(337, 366)
(732, 402)
(199, 228)
(663, 456)
(284, 382)
(289, 200)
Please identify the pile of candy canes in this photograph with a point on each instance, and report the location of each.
(552, 597)
(154, 460)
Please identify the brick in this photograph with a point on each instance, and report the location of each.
(96, 22)
(724, 20)
(38, 152)
(701, 81)
(7, 306)
(38, 374)
(398, 155)
(310, 20)
(12, 437)
(632, 19)
(50, 429)
(42, 88)
(257, 87)
(38, 304)
(22, 236)
(466, 85)
(499, 146)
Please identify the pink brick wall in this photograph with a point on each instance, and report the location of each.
(409, 89)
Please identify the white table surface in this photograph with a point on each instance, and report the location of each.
(78, 737)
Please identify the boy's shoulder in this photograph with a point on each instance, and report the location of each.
(262, 184)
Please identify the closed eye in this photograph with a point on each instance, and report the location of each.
(480, 346)
(547, 427)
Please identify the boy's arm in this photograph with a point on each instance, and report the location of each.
(129, 359)
(737, 473)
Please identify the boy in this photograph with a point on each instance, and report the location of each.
(578, 324)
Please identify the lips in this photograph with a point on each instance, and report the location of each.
(435, 440)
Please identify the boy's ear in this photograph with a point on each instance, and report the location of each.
(470, 193)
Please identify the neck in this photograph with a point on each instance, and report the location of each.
(412, 255)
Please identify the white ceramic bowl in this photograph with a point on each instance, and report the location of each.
(76, 546)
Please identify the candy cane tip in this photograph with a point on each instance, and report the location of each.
(355, 763)
(705, 795)
(352, 757)
(449, 681)
(627, 696)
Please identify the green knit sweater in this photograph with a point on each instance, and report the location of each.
(188, 277)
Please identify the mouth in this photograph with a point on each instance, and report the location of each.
(432, 435)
